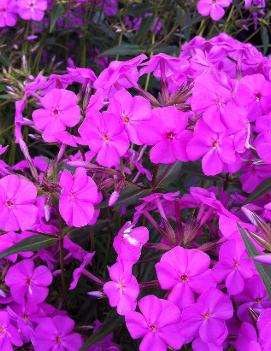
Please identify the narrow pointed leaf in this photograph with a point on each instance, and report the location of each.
(264, 271)
(34, 243)
(262, 189)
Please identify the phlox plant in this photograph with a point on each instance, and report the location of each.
(136, 217)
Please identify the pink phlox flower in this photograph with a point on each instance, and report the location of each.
(253, 175)
(162, 66)
(32, 9)
(78, 196)
(234, 266)
(204, 61)
(82, 75)
(210, 96)
(216, 149)
(129, 242)
(122, 291)
(17, 203)
(206, 318)
(133, 111)
(9, 335)
(8, 13)
(253, 93)
(166, 132)
(120, 74)
(157, 324)
(104, 133)
(59, 111)
(25, 318)
(253, 296)
(213, 8)
(247, 339)
(27, 283)
(56, 333)
(184, 272)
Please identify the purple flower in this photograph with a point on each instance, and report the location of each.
(55, 334)
(253, 93)
(78, 197)
(8, 16)
(32, 9)
(120, 74)
(214, 8)
(166, 131)
(132, 110)
(247, 339)
(157, 324)
(129, 241)
(253, 296)
(8, 333)
(206, 318)
(27, 283)
(234, 266)
(216, 149)
(104, 133)
(123, 290)
(185, 272)
(59, 111)
(17, 198)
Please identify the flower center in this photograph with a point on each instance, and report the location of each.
(206, 315)
(72, 195)
(121, 285)
(235, 265)
(55, 111)
(170, 135)
(58, 339)
(28, 281)
(184, 278)
(3, 330)
(10, 204)
(218, 101)
(259, 299)
(153, 328)
(215, 144)
(126, 119)
(258, 97)
(26, 317)
(105, 137)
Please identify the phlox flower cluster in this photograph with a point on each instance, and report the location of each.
(164, 173)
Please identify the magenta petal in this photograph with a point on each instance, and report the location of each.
(136, 324)
(152, 342)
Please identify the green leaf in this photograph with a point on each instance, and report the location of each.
(122, 50)
(265, 39)
(262, 189)
(112, 322)
(56, 12)
(264, 271)
(168, 179)
(34, 243)
(131, 194)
